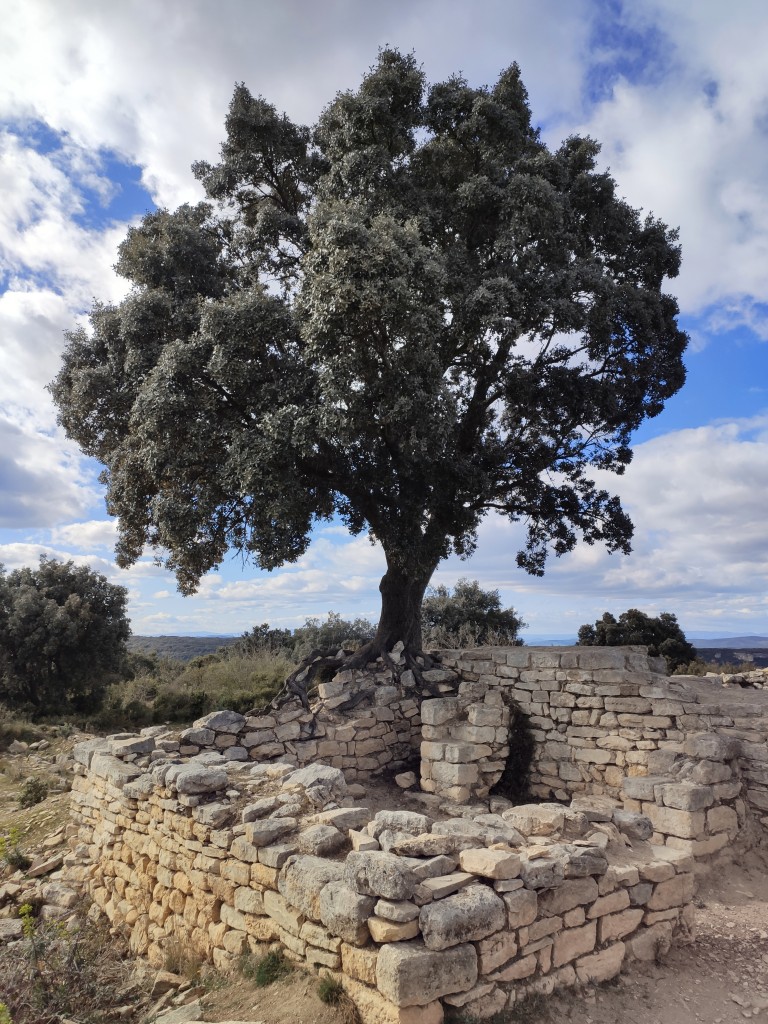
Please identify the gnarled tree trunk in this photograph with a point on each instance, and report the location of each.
(401, 597)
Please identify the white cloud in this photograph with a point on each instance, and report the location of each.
(96, 533)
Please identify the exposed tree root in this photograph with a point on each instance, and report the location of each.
(321, 665)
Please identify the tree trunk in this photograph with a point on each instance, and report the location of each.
(401, 597)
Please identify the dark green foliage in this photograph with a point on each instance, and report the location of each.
(270, 969)
(468, 617)
(330, 990)
(661, 635)
(62, 636)
(180, 648)
(34, 791)
(409, 315)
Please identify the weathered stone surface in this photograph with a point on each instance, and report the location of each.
(11, 929)
(376, 873)
(522, 907)
(574, 942)
(197, 779)
(473, 913)
(343, 817)
(321, 840)
(345, 913)
(409, 974)
(271, 830)
(132, 745)
(672, 893)
(396, 910)
(571, 894)
(496, 950)
(633, 825)
(685, 824)
(198, 737)
(259, 808)
(440, 886)
(535, 819)
(583, 861)
(302, 879)
(383, 930)
(490, 863)
(687, 797)
(542, 873)
(711, 746)
(617, 926)
(600, 966)
(651, 943)
(111, 768)
(409, 822)
(317, 775)
(221, 721)
(433, 844)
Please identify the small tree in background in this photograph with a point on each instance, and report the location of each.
(63, 635)
(468, 617)
(661, 635)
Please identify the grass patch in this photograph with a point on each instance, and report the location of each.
(34, 791)
(269, 969)
(330, 990)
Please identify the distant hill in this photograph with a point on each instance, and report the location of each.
(181, 648)
(749, 657)
(742, 642)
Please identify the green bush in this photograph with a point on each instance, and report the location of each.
(270, 968)
(34, 791)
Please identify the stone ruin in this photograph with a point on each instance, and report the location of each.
(246, 832)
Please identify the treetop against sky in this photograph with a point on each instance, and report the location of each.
(676, 98)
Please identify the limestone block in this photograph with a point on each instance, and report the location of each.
(286, 916)
(359, 963)
(409, 822)
(650, 943)
(345, 912)
(571, 894)
(535, 819)
(583, 861)
(687, 797)
(495, 864)
(224, 740)
(131, 745)
(632, 824)
(708, 773)
(573, 943)
(435, 867)
(269, 831)
(611, 904)
(376, 873)
(673, 892)
(495, 950)
(542, 872)
(487, 715)
(685, 824)
(276, 855)
(641, 787)
(722, 819)
(115, 771)
(602, 966)
(321, 840)
(711, 746)
(197, 779)
(374, 1008)
(439, 710)
(617, 926)
(433, 844)
(342, 817)
(409, 974)
(249, 901)
(383, 930)
(400, 910)
(313, 775)
(473, 913)
(455, 774)
(540, 929)
(221, 721)
(522, 907)
(302, 880)
(440, 886)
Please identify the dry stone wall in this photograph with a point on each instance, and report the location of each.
(249, 831)
(600, 718)
(473, 907)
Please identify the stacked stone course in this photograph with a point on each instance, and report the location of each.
(412, 913)
(244, 832)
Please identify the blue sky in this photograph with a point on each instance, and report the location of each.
(104, 107)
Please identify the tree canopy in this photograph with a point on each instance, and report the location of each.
(62, 634)
(660, 634)
(410, 315)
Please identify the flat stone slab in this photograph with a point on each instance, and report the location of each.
(470, 915)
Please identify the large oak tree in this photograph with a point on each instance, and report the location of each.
(407, 316)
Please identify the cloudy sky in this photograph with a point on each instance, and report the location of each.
(103, 107)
